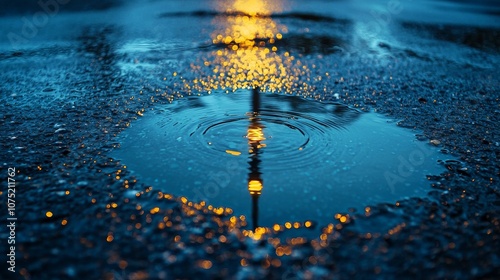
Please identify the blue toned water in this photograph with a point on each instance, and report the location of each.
(313, 159)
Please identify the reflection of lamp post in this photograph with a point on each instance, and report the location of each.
(255, 135)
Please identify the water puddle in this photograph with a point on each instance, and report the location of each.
(276, 158)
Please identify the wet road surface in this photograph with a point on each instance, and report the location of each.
(72, 84)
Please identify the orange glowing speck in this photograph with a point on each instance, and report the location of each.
(234, 153)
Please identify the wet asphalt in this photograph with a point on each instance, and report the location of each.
(83, 215)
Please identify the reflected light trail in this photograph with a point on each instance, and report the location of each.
(255, 136)
(247, 55)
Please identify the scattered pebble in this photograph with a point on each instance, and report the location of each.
(435, 142)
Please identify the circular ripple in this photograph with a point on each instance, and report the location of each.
(316, 159)
(297, 132)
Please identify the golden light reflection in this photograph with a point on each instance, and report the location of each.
(109, 238)
(255, 134)
(255, 187)
(234, 153)
(246, 21)
(256, 7)
(205, 264)
(235, 224)
(249, 54)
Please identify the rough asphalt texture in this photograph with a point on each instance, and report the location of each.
(62, 107)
